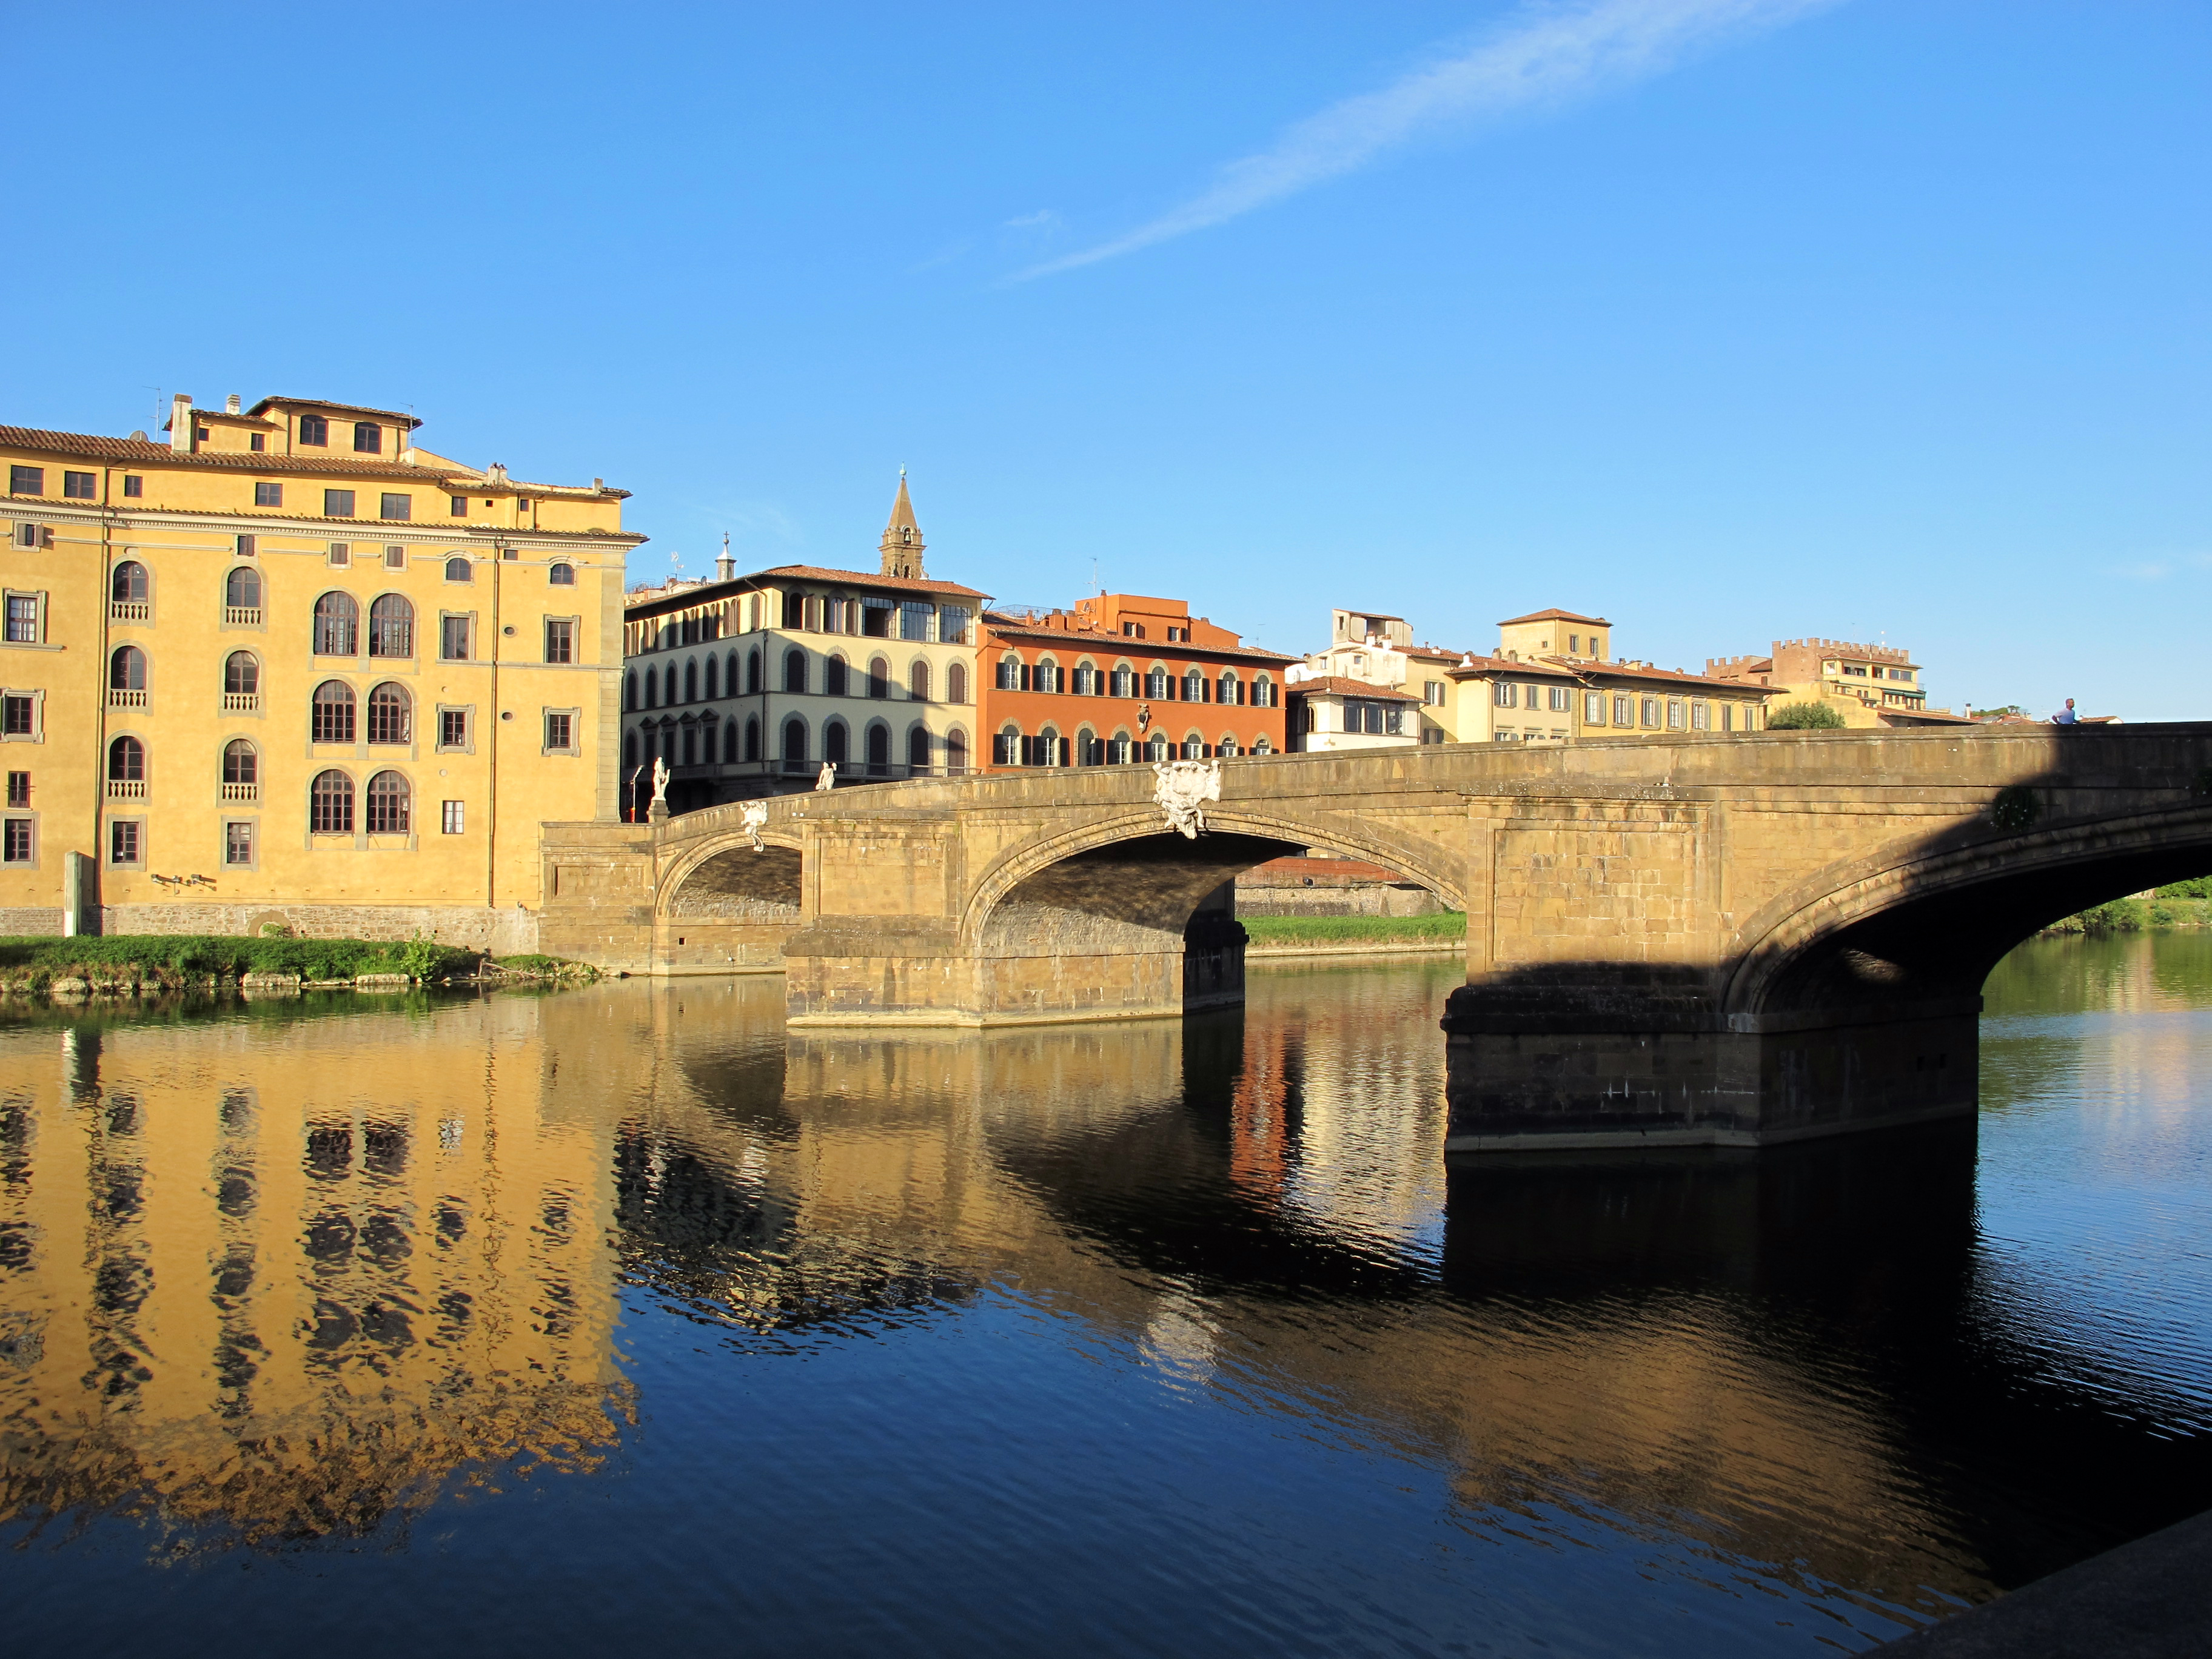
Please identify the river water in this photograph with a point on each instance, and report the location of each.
(619, 1318)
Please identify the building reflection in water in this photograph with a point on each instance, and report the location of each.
(278, 1275)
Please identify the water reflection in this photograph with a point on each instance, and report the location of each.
(285, 1276)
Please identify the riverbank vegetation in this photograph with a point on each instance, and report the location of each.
(2180, 904)
(155, 962)
(1338, 930)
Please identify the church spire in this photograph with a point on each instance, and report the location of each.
(901, 543)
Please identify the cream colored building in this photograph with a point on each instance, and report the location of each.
(747, 685)
(1869, 685)
(289, 668)
(1373, 648)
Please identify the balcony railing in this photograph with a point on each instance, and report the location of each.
(241, 616)
(126, 788)
(123, 697)
(241, 792)
(131, 610)
(241, 702)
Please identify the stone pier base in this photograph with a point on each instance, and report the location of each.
(1760, 1081)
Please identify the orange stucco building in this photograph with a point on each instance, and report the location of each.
(1120, 678)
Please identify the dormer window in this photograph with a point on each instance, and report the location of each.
(367, 438)
(315, 429)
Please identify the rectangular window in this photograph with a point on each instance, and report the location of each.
(1393, 720)
(19, 715)
(133, 485)
(1701, 716)
(257, 442)
(27, 480)
(19, 789)
(952, 625)
(1652, 711)
(315, 429)
(876, 618)
(560, 640)
(460, 509)
(1504, 693)
(1593, 708)
(559, 730)
(395, 558)
(1677, 715)
(1432, 693)
(1728, 717)
(454, 819)
(915, 619)
(341, 553)
(22, 619)
(367, 438)
(452, 728)
(81, 486)
(238, 842)
(123, 841)
(269, 494)
(337, 503)
(246, 545)
(453, 638)
(16, 846)
(1623, 711)
(396, 505)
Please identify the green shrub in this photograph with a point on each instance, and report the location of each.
(1805, 717)
(175, 958)
(1314, 930)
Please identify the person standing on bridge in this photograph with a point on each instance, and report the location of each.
(2066, 716)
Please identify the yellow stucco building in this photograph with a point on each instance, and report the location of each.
(290, 669)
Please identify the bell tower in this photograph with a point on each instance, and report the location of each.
(901, 543)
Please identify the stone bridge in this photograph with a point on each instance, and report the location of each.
(1716, 939)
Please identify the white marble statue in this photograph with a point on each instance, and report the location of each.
(755, 815)
(827, 777)
(1182, 791)
(660, 780)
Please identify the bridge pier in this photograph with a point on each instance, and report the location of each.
(1515, 1083)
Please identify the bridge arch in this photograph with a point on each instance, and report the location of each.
(1926, 919)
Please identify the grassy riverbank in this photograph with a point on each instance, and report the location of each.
(1342, 930)
(2185, 904)
(156, 961)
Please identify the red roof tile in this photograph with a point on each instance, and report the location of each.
(1556, 615)
(1336, 685)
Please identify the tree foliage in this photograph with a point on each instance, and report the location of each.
(1804, 717)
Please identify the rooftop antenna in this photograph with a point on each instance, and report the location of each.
(1098, 587)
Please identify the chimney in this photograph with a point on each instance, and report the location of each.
(180, 424)
(231, 404)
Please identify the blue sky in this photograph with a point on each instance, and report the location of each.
(1733, 320)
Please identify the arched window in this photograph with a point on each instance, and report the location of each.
(391, 626)
(1120, 749)
(1227, 746)
(338, 626)
(241, 764)
(752, 738)
(691, 681)
(126, 670)
(690, 745)
(367, 438)
(835, 743)
(561, 575)
(332, 720)
(329, 804)
(712, 669)
(917, 680)
(729, 742)
(1155, 683)
(1194, 686)
(794, 670)
(1229, 689)
(1010, 673)
(1262, 746)
(1158, 749)
(1047, 749)
(130, 585)
(1006, 746)
(1086, 750)
(917, 751)
(629, 749)
(955, 753)
(1048, 676)
(1194, 746)
(794, 744)
(241, 675)
(731, 680)
(879, 751)
(1086, 680)
(879, 677)
(126, 761)
(837, 677)
(387, 714)
(1125, 680)
(956, 682)
(629, 691)
(1263, 693)
(752, 673)
(458, 570)
(387, 804)
(241, 590)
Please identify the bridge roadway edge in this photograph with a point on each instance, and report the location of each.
(1695, 940)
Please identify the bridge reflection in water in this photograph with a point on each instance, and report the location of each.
(285, 1275)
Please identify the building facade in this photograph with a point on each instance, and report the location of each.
(1869, 685)
(1331, 715)
(290, 670)
(1123, 677)
(1373, 648)
(747, 685)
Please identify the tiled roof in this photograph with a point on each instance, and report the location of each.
(410, 421)
(1120, 645)
(1555, 615)
(1337, 686)
(91, 447)
(1543, 668)
(1598, 671)
(815, 573)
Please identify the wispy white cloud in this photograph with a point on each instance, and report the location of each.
(1550, 53)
